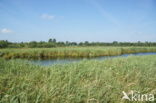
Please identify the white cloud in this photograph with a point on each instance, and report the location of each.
(47, 16)
(5, 31)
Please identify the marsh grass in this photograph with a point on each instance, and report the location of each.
(70, 52)
(88, 81)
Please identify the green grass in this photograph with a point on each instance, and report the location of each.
(88, 81)
(70, 52)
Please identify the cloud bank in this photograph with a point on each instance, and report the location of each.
(5, 31)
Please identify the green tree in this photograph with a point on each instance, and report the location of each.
(4, 43)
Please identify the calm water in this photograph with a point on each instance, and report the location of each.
(64, 61)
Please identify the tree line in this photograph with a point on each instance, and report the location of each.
(53, 43)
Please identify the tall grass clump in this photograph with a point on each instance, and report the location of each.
(88, 81)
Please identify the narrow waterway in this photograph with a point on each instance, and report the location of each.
(69, 60)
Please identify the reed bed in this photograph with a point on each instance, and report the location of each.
(70, 52)
(88, 81)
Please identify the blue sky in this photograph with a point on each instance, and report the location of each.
(78, 20)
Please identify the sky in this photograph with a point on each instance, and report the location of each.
(78, 20)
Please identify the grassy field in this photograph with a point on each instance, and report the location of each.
(70, 52)
(88, 81)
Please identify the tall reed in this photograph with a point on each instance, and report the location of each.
(88, 81)
(70, 52)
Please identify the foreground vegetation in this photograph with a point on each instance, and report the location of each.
(88, 81)
(70, 52)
